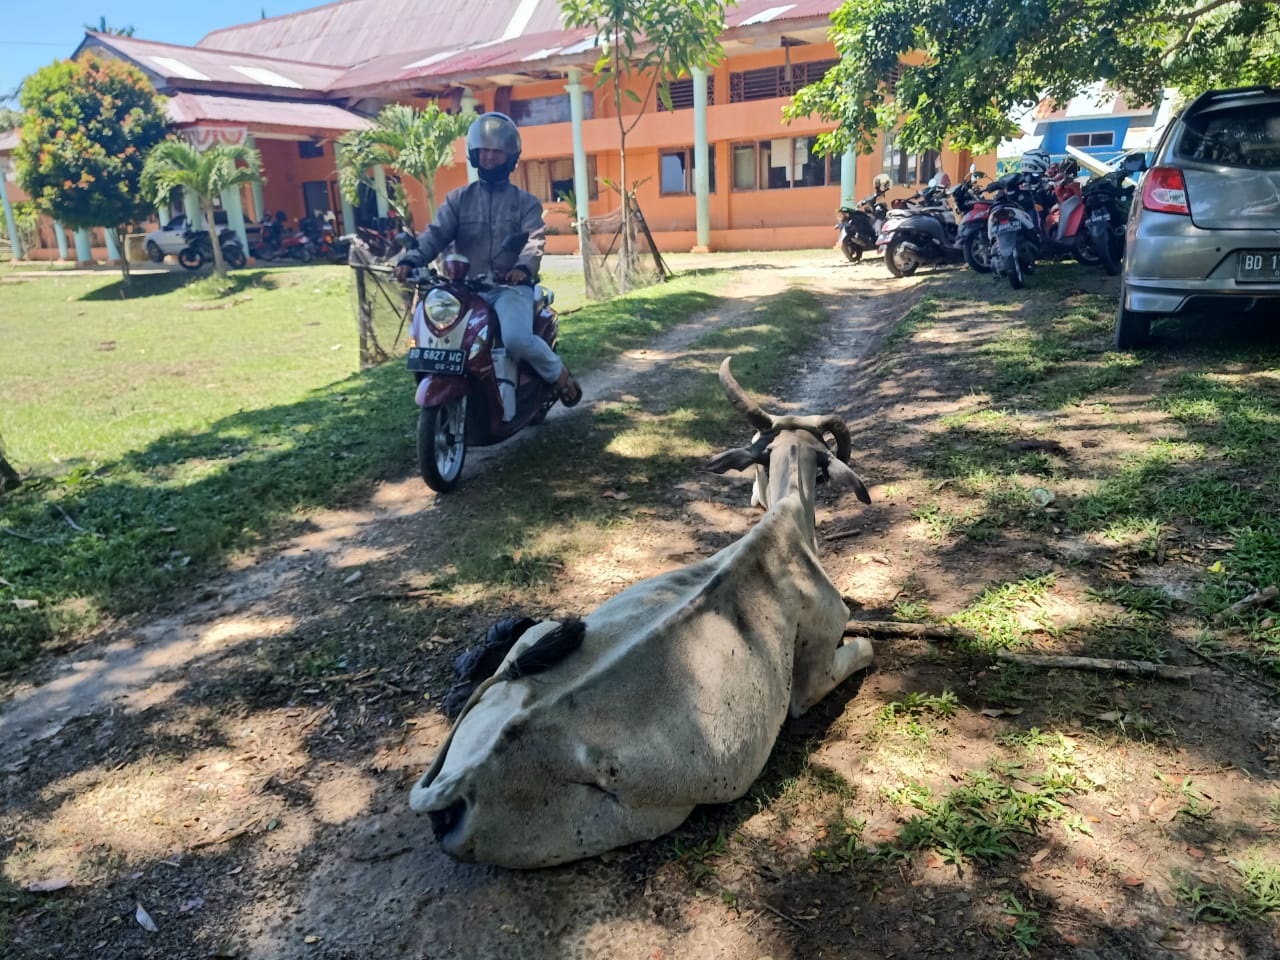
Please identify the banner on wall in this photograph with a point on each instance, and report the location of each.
(203, 137)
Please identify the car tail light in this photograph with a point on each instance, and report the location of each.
(1164, 190)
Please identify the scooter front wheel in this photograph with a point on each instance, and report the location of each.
(442, 444)
(901, 262)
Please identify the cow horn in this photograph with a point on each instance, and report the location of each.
(738, 397)
(840, 430)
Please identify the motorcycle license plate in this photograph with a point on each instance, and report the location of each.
(432, 360)
(1258, 266)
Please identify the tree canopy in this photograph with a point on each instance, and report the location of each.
(417, 143)
(86, 130)
(970, 63)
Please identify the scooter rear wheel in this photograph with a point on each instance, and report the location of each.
(977, 254)
(191, 258)
(442, 444)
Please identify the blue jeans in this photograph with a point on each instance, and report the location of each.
(514, 307)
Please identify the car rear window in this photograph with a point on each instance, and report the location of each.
(1244, 136)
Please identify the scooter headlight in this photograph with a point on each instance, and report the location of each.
(441, 307)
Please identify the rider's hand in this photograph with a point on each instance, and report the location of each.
(402, 271)
(517, 275)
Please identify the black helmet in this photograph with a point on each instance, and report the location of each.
(493, 131)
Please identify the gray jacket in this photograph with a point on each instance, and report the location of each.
(476, 218)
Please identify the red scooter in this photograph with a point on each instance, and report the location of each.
(469, 390)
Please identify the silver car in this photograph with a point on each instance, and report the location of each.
(1204, 231)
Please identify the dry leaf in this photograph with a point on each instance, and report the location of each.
(1040, 854)
(25, 604)
(1134, 881)
(616, 495)
(310, 938)
(144, 920)
(48, 886)
(1110, 717)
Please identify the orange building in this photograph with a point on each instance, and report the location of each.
(292, 85)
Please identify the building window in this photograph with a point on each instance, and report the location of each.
(540, 110)
(769, 83)
(681, 92)
(779, 164)
(1105, 138)
(676, 171)
(907, 169)
(310, 150)
(552, 180)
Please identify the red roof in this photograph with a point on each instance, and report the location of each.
(191, 108)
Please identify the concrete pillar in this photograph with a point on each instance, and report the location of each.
(191, 207)
(701, 162)
(10, 222)
(60, 235)
(848, 177)
(114, 256)
(467, 106)
(84, 253)
(235, 215)
(380, 188)
(259, 204)
(581, 183)
(348, 211)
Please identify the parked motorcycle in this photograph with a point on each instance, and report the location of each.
(1013, 229)
(470, 391)
(923, 234)
(1106, 205)
(324, 241)
(860, 224)
(199, 249)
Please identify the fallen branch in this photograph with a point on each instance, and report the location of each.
(406, 595)
(223, 838)
(1265, 595)
(892, 628)
(1142, 668)
(843, 534)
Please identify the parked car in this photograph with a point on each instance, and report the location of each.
(1205, 231)
(171, 239)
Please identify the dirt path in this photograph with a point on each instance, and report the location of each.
(349, 872)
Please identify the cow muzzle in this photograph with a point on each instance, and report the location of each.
(444, 822)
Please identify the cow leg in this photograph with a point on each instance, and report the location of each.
(816, 675)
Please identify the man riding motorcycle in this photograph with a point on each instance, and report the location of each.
(475, 219)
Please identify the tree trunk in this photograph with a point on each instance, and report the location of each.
(124, 258)
(9, 479)
(624, 272)
(219, 267)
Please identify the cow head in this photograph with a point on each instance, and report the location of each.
(803, 433)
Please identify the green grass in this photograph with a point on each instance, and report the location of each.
(203, 433)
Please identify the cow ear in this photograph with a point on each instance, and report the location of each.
(740, 458)
(842, 477)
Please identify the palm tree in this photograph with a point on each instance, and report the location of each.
(223, 166)
(415, 142)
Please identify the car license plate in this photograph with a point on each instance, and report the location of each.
(1258, 266)
(432, 360)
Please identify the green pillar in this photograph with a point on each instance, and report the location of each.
(467, 106)
(191, 207)
(84, 252)
(848, 176)
(60, 235)
(259, 204)
(380, 188)
(581, 185)
(701, 162)
(235, 215)
(113, 248)
(10, 222)
(348, 211)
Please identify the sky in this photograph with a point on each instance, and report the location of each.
(34, 33)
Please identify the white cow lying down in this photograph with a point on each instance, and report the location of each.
(598, 733)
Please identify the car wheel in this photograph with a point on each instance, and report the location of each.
(154, 253)
(1132, 328)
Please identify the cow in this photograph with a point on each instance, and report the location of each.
(597, 733)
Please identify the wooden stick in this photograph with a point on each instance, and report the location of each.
(892, 628)
(1143, 668)
(1265, 595)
